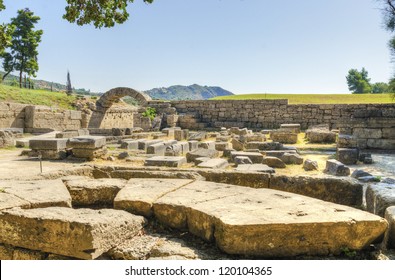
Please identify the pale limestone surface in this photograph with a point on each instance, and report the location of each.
(41, 193)
(266, 222)
(138, 195)
(81, 233)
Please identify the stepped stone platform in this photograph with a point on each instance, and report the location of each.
(81, 233)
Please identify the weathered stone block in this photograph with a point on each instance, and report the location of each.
(207, 145)
(88, 192)
(343, 191)
(389, 239)
(193, 145)
(384, 144)
(292, 158)
(215, 163)
(255, 157)
(274, 162)
(81, 233)
(237, 145)
(130, 144)
(347, 156)
(367, 133)
(240, 225)
(138, 195)
(256, 167)
(310, 165)
(89, 154)
(165, 161)
(143, 144)
(221, 146)
(34, 194)
(291, 127)
(242, 160)
(191, 156)
(334, 167)
(48, 144)
(379, 197)
(158, 149)
(346, 141)
(87, 142)
(284, 137)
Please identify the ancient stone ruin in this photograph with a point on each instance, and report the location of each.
(201, 180)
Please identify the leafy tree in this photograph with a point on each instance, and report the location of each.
(103, 13)
(5, 32)
(358, 82)
(380, 88)
(22, 53)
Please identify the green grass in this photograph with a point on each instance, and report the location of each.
(36, 97)
(316, 98)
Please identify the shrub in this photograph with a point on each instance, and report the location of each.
(149, 112)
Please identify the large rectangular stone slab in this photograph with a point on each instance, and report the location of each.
(48, 144)
(267, 223)
(79, 233)
(138, 195)
(193, 155)
(379, 197)
(343, 191)
(158, 149)
(256, 167)
(165, 161)
(143, 144)
(383, 144)
(215, 163)
(130, 144)
(254, 157)
(41, 193)
(87, 142)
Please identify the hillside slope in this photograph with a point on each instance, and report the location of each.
(192, 92)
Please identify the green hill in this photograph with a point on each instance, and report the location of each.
(192, 92)
(36, 97)
(13, 80)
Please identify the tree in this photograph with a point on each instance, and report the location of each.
(69, 89)
(380, 88)
(103, 13)
(358, 82)
(5, 32)
(22, 54)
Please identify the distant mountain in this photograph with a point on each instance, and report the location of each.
(192, 92)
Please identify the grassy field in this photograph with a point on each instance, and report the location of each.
(37, 97)
(316, 98)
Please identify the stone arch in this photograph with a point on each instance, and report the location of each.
(108, 98)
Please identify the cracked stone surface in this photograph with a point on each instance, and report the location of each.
(79, 233)
(266, 222)
(138, 195)
(33, 194)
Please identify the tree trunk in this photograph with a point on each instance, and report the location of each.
(20, 79)
(5, 75)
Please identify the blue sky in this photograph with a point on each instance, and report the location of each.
(245, 46)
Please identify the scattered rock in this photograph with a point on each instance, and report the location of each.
(274, 162)
(310, 165)
(123, 155)
(242, 160)
(289, 158)
(334, 167)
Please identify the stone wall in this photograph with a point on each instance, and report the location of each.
(12, 115)
(43, 118)
(114, 117)
(269, 114)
